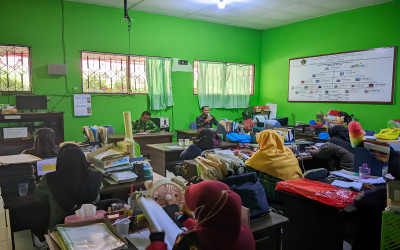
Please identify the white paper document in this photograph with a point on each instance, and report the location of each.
(173, 147)
(160, 220)
(140, 239)
(345, 184)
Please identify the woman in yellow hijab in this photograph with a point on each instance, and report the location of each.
(273, 162)
(274, 158)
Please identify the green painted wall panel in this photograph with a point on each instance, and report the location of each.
(365, 28)
(96, 28)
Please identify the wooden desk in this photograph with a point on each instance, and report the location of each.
(313, 225)
(267, 230)
(53, 120)
(144, 140)
(161, 155)
(189, 133)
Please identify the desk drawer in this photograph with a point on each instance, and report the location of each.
(267, 239)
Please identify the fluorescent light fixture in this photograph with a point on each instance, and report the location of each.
(221, 4)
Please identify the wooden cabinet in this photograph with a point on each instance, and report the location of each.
(33, 121)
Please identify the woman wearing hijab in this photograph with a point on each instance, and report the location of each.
(204, 141)
(217, 224)
(71, 185)
(337, 150)
(273, 162)
(43, 144)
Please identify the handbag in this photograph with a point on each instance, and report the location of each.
(208, 172)
(251, 191)
(217, 140)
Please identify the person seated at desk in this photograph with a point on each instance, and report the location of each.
(217, 210)
(70, 186)
(144, 124)
(203, 141)
(273, 162)
(205, 120)
(44, 144)
(370, 205)
(337, 150)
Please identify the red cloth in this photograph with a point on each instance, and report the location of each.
(334, 112)
(157, 245)
(217, 210)
(319, 191)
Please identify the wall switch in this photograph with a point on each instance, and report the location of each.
(75, 89)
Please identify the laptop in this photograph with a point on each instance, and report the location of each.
(46, 165)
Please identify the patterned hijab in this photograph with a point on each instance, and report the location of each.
(44, 144)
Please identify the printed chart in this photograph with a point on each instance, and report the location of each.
(357, 76)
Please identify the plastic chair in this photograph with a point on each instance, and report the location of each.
(316, 174)
(193, 125)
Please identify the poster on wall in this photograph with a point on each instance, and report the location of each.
(364, 76)
(82, 105)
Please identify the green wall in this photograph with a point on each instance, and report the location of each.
(365, 28)
(95, 28)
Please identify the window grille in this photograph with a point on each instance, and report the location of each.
(15, 69)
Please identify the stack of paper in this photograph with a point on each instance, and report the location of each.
(93, 236)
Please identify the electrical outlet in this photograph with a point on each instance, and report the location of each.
(75, 89)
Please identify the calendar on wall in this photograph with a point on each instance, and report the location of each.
(364, 76)
(82, 105)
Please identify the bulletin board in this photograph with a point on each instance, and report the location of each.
(364, 76)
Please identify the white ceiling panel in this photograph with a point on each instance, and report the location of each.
(254, 14)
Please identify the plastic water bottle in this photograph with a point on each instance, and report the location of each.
(364, 171)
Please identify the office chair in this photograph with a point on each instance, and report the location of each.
(193, 125)
(362, 155)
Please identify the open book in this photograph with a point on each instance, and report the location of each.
(159, 220)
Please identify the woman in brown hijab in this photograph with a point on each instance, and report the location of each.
(44, 144)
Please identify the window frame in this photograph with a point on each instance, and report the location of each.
(128, 72)
(253, 70)
(29, 68)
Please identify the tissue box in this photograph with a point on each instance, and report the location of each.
(74, 218)
(108, 156)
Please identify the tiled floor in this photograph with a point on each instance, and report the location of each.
(23, 240)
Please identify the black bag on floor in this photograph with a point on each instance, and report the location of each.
(251, 191)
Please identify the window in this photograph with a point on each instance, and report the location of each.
(196, 76)
(113, 73)
(15, 69)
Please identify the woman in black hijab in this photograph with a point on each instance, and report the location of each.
(337, 150)
(71, 185)
(203, 141)
(44, 144)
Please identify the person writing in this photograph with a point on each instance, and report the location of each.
(216, 224)
(205, 120)
(44, 144)
(144, 124)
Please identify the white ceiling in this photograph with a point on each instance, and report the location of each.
(255, 14)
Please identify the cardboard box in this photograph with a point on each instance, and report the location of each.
(127, 147)
(18, 159)
(108, 156)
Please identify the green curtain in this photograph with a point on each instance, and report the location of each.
(223, 86)
(237, 86)
(211, 83)
(158, 74)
